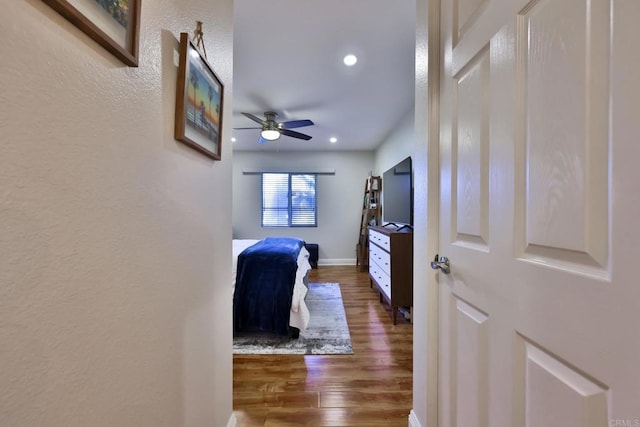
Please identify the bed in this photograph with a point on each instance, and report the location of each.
(269, 285)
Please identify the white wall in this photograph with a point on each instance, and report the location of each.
(398, 146)
(339, 198)
(114, 280)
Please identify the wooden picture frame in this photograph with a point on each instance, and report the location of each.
(113, 24)
(199, 101)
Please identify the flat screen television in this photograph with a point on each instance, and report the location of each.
(397, 194)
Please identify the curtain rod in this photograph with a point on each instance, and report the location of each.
(317, 172)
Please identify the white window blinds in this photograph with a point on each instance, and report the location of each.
(289, 200)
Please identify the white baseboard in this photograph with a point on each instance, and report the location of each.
(413, 420)
(233, 421)
(337, 261)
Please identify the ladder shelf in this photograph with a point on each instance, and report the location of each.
(371, 215)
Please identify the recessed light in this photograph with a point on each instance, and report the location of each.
(350, 60)
(333, 140)
(233, 139)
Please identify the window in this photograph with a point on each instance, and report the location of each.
(288, 200)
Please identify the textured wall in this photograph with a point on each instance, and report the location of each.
(114, 238)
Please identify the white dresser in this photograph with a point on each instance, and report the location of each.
(391, 266)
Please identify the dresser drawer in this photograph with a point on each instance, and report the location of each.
(380, 239)
(381, 278)
(385, 286)
(381, 257)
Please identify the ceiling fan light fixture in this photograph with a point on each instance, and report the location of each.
(271, 130)
(350, 60)
(270, 134)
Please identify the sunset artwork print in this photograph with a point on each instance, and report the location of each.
(199, 100)
(203, 100)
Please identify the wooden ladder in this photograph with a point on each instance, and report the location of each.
(371, 215)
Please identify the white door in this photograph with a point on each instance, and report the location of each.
(540, 213)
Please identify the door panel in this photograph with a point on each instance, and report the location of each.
(537, 153)
(564, 134)
(465, 13)
(470, 150)
(558, 394)
(469, 370)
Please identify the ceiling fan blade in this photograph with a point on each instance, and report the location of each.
(248, 128)
(254, 118)
(261, 140)
(295, 134)
(296, 124)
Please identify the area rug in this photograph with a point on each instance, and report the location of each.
(327, 333)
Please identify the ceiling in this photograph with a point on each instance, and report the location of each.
(288, 59)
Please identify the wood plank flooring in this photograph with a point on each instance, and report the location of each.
(372, 387)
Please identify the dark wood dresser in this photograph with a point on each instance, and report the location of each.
(391, 265)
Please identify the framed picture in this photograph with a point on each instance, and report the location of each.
(199, 96)
(114, 24)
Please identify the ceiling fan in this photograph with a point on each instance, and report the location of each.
(271, 129)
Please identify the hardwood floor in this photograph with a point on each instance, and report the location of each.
(372, 387)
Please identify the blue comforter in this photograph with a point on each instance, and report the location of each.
(264, 285)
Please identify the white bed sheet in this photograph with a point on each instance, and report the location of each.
(299, 314)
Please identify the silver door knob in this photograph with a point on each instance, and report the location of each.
(441, 263)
